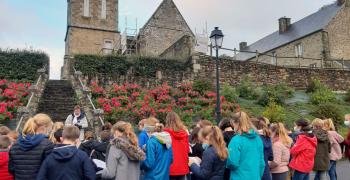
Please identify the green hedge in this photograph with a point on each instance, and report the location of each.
(119, 65)
(21, 65)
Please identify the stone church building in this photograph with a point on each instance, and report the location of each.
(320, 39)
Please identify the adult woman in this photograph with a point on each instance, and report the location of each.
(32, 147)
(124, 155)
(303, 151)
(180, 145)
(246, 150)
(212, 166)
(281, 152)
(323, 148)
(336, 154)
(265, 136)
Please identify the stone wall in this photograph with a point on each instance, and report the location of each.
(163, 29)
(182, 49)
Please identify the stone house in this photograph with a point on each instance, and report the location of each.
(166, 33)
(320, 39)
(92, 27)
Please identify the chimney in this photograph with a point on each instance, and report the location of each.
(242, 46)
(284, 24)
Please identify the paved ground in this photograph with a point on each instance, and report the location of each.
(343, 170)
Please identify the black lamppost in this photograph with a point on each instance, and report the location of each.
(216, 38)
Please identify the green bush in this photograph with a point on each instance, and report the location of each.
(277, 93)
(22, 65)
(202, 86)
(229, 93)
(329, 110)
(347, 96)
(246, 89)
(323, 95)
(314, 85)
(274, 112)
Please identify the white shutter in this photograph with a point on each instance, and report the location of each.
(103, 9)
(86, 8)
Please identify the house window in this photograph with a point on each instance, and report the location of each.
(107, 46)
(86, 12)
(299, 50)
(103, 9)
(274, 58)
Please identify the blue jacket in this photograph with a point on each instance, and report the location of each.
(159, 157)
(67, 162)
(211, 168)
(143, 138)
(246, 157)
(268, 156)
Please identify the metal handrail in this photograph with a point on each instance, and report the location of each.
(88, 96)
(28, 103)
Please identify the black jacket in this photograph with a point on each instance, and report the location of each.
(88, 146)
(228, 135)
(27, 155)
(67, 162)
(100, 150)
(197, 150)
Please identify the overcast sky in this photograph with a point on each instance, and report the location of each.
(41, 24)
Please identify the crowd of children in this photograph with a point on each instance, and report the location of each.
(239, 148)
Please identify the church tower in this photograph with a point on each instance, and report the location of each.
(92, 27)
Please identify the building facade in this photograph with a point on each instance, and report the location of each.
(92, 27)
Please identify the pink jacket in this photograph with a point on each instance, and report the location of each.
(281, 155)
(335, 140)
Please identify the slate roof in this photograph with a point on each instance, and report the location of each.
(304, 27)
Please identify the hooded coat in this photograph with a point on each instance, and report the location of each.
(211, 167)
(335, 139)
(303, 153)
(246, 157)
(323, 149)
(268, 156)
(159, 156)
(27, 155)
(123, 160)
(181, 149)
(67, 162)
(347, 146)
(4, 159)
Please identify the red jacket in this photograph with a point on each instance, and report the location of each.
(347, 146)
(181, 148)
(4, 160)
(303, 154)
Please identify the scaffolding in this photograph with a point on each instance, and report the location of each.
(129, 39)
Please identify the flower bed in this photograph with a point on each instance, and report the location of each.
(12, 95)
(132, 103)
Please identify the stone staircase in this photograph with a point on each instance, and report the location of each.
(58, 100)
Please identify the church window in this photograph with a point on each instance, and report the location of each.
(86, 8)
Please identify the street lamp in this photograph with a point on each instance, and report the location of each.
(216, 38)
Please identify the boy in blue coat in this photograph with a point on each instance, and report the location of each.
(66, 161)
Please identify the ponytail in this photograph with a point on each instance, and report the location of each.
(216, 139)
(281, 132)
(33, 123)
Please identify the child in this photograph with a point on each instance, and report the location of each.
(159, 154)
(246, 150)
(212, 167)
(13, 135)
(66, 161)
(304, 150)
(347, 140)
(281, 152)
(58, 136)
(124, 154)
(143, 136)
(4, 130)
(56, 126)
(228, 132)
(5, 144)
(100, 148)
(89, 143)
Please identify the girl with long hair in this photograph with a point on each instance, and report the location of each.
(265, 135)
(124, 155)
(246, 150)
(56, 126)
(227, 130)
(180, 144)
(281, 152)
(212, 166)
(336, 153)
(31, 148)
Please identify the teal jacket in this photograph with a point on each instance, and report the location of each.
(246, 157)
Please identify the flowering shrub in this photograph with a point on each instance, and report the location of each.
(12, 95)
(132, 103)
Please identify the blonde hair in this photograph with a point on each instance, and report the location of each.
(173, 122)
(243, 121)
(317, 123)
(216, 139)
(126, 129)
(281, 132)
(56, 126)
(328, 124)
(260, 124)
(34, 123)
